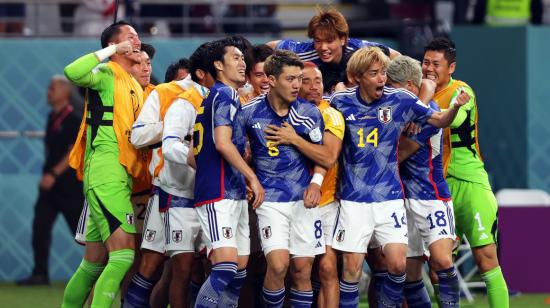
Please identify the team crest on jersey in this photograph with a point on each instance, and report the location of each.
(266, 232)
(384, 115)
(315, 135)
(150, 235)
(340, 235)
(130, 218)
(227, 232)
(177, 236)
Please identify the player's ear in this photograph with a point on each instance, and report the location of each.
(272, 80)
(452, 68)
(218, 65)
(343, 40)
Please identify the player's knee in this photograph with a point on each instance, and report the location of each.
(278, 270)
(486, 257)
(397, 265)
(327, 270)
(440, 262)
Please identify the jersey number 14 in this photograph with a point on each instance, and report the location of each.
(372, 138)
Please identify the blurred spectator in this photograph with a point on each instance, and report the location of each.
(59, 190)
(11, 17)
(258, 18)
(92, 16)
(177, 70)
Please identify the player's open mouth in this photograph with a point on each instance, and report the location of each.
(379, 90)
(430, 76)
(264, 87)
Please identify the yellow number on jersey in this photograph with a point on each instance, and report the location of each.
(272, 150)
(372, 138)
(199, 129)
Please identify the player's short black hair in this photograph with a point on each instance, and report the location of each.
(242, 43)
(111, 31)
(257, 55)
(445, 45)
(200, 59)
(149, 50)
(173, 68)
(218, 48)
(280, 58)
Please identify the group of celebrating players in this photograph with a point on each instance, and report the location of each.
(298, 158)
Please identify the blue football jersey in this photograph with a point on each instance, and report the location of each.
(215, 178)
(283, 171)
(369, 169)
(306, 51)
(422, 173)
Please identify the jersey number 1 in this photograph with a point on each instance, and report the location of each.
(372, 138)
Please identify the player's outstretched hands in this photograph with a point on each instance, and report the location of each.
(258, 193)
(312, 195)
(462, 98)
(124, 47)
(284, 134)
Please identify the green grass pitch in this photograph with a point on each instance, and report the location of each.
(50, 296)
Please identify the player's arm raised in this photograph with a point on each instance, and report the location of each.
(81, 71)
(445, 118)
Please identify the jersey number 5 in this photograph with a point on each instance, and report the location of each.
(198, 134)
(372, 138)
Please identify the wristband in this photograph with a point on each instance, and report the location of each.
(105, 52)
(317, 179)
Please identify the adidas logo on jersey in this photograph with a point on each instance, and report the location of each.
(319, 245)
(483, 236)
(257, 125)
(351, 117)
(443, 232)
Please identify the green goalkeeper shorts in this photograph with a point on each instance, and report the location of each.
(110, 208)
(475, 208)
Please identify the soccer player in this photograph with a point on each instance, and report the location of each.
(430, 217)
(329, 45)
(177, 70)
(251, 293)
(107, 161)
(219, 184)
(170, 227)
(288, 221)
(255, 74)
(325, 155)
(475, 205)
(370, 187)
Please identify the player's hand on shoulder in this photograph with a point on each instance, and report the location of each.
(411, 129)
(312, 195)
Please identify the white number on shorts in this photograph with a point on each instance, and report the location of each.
(480, 226)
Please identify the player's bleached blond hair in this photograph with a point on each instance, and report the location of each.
(403, 69)
(363, 58)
